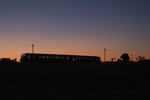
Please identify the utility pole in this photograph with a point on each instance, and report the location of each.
(105, 54)
(32, 48)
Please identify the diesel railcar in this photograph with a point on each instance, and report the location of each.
(35, 57)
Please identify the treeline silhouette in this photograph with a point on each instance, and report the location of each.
(8, 60)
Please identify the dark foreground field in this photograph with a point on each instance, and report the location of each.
(110, 81)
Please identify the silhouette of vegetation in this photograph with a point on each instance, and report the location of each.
(140, 58)
(119, 60)
(8, 60)
(125, 57)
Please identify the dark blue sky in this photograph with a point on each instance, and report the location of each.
(75, 26)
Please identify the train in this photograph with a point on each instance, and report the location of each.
(36, 57)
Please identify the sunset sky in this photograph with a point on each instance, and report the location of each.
(80, 27)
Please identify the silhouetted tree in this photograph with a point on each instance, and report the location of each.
(125, 57)
(4, 60)
(119, 60)
(8, 60)
(14, 60)
(140, 58)
(112, 59)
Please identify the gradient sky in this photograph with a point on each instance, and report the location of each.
(80, 27)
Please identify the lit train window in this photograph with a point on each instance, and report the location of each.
(39, 57)
(43, 56)
(29, 57)
(81, 58)
(73, 59)
(67, 58)
(77, 57)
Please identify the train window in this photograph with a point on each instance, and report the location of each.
(43, 56)
(73, 59)
(53, 57)
(63, 58)
(57, 57)
(68, 58)
(39, 57)
(29, 56)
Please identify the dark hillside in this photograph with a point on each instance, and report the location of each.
(109, 81)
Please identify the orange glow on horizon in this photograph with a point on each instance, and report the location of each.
(100, 54)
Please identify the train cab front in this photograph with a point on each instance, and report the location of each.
(22, 59)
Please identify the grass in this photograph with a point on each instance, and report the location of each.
(109, 81)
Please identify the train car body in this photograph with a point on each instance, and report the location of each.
(34, 57)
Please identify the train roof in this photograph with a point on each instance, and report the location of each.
(58, 55)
